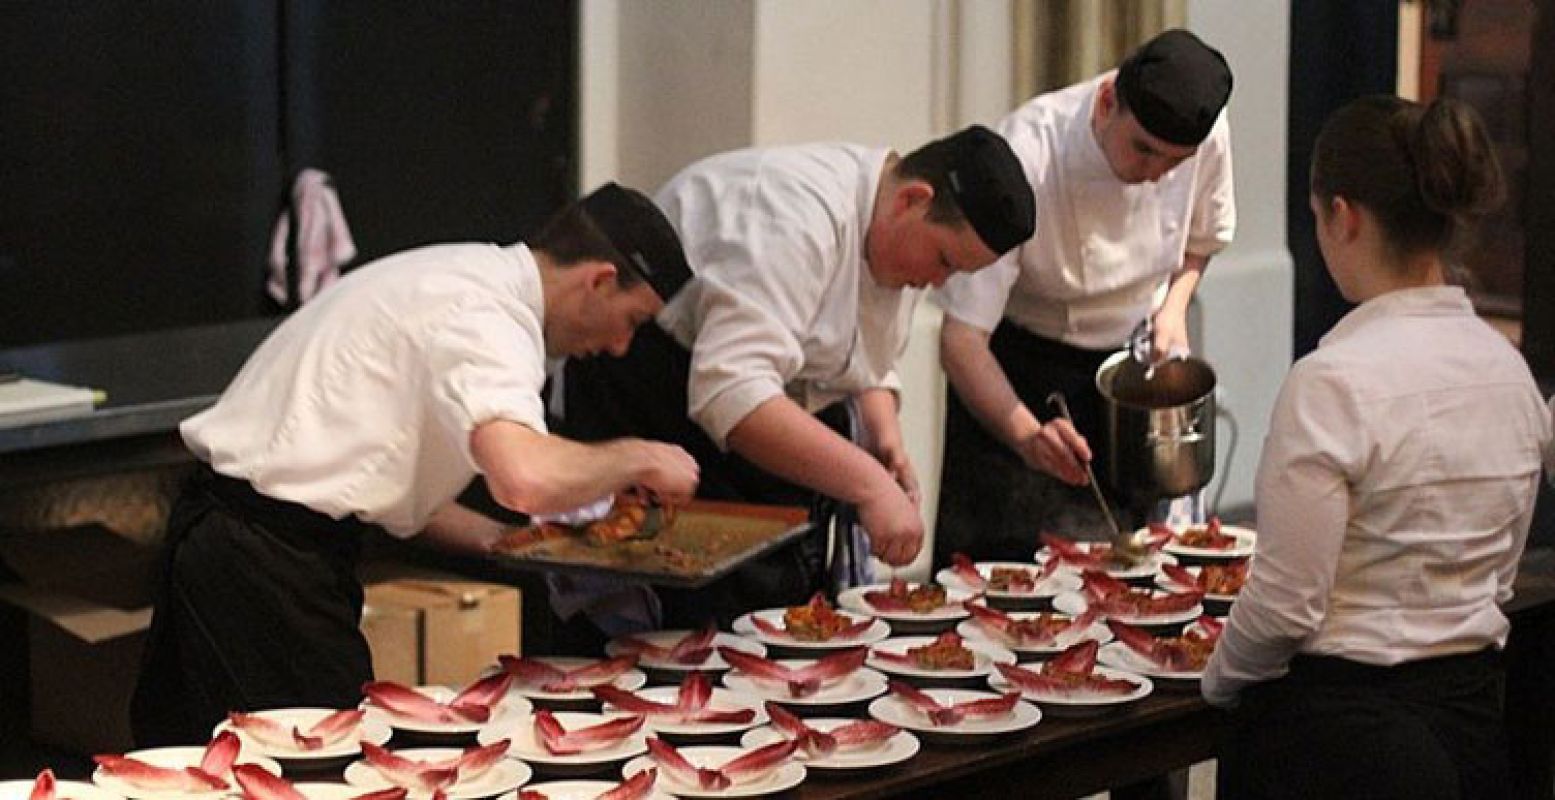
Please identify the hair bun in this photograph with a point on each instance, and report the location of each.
(1455, 165)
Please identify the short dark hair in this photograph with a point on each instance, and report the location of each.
(1428, 173)
(931, 164)
(572, 237)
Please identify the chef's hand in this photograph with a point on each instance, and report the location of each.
(894, 459)
(1059, 450)
(665, 472)
(1170, 337)
(894, 524)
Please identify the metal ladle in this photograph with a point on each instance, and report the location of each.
(1126, 545)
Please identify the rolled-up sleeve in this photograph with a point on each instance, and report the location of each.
(484, 365)
(754, 304)
(1315, 444)
(1213, 222)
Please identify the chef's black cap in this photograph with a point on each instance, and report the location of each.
(647, 242)
(1175, 85)
(989, 186)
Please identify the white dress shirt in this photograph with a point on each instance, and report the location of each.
(1394, 494)
(364, 400)
(1103, 248)
(782, 301)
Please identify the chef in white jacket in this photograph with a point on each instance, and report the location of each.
(807, 259)
(1132, 174)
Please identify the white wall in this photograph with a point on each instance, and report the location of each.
(662, 86)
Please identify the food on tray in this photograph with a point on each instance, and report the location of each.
(941, 714)
(1071, 673)
(1116, 598)
(815, 621)
(1186, 653)
(1043, 629)
(902, 596)
(1204, 537)
(946, 652)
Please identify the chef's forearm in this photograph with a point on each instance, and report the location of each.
(782, 439)
(983, 387)
(460, 529)
(537, 473)
(877, 410)
(1179, 293)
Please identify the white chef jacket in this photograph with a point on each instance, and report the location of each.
(1103, 248)
(1394, 494)
(782, 300)
(364, 400)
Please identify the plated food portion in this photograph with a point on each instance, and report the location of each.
(815, 625)
(946, 656)
(563, 679)
(833, 680)
(1099, 556)
(1116, 600)
(1072, 680)
(681, 650)
(716, 771)
(694, 708)
(835, 743)
(179, 773)
(427, 772)
(1034, 633)
(1211, 540)
(1180, 657)
(440, 710)
(954, 712)
(1006, 580)
(902, 601)
(306, 734)
(571, 739)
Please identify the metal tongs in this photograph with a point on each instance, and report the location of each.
(1140, 344)
(1127, 545)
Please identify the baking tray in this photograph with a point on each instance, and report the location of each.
(707, 540)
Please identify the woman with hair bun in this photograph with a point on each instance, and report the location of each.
(1394, 494)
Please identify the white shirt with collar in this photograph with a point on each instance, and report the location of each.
(1103, 248)
(782, 301)
(364, 400)
(1394, 494)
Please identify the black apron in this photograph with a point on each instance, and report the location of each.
(644, 394)
(259, 607)
(991, 505)
(1337, 728)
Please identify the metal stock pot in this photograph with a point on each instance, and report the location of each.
(1160, 428)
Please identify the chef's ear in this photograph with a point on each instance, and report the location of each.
(913, 193)
(1345, 218)
(601, 275)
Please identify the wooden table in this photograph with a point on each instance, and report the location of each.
(1059, 758)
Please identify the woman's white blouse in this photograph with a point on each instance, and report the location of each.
(1394, 494)
(1103, 248)
(782, 301)
(364, 400)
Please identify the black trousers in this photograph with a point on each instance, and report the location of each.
(991, 506)
(644, 394)
(1337, 728)
(259, 607)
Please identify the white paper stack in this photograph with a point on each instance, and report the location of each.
(29, 402)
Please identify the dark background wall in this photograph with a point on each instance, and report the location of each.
(146, 147)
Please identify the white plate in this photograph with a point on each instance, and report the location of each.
(1247, 542)
(785, 776)
(64, 790)
(1118, 654)
(178, 758)
(1059, 581)
(528, 746)
(894, 750)
(745, 627)
(370, 729)
(860, 684)
(1150, 566)
(512, 705)
(1000, 684)
(327, 791)
(722, 700)
(669, 638)
(504, 776)
(581, 790)
(1170, 585)
(853, 600)
(630, 680)
(984, 655)
(973, 630)
(1076, 603)
(894, 710)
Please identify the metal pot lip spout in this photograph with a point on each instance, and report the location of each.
(1176, 382)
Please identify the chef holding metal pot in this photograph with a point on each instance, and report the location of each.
(1132, 174)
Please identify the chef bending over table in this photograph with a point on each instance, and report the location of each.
(806, 259)
(371, 408)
